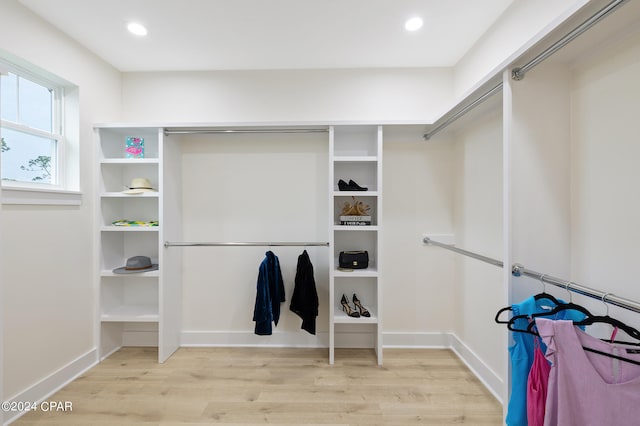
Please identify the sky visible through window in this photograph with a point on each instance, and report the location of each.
(26, 157)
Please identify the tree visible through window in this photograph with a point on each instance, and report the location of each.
(29, 129)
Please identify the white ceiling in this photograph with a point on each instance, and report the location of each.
(272, 34)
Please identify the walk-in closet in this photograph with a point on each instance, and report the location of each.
(320, 224)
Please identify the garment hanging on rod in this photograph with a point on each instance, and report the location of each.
(518, 270)
(269, 295)
(304, 301)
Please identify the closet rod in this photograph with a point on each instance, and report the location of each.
(518, 270)
(519, 72)
(249, 244)
(168, 132)
(486, 259)
(463, 111)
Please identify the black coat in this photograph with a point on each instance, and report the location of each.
(269, 294)
(304, 301)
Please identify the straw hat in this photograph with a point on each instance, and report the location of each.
(138, 186)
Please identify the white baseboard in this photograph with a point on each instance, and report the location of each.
(249, 339)
(54, 382)
(416, 340)
(478, 367)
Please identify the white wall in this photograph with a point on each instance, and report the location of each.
(517, 27)
(605, 99)
(376, 96)
(478, 222)
(418, 191)
(270, 187)
(47, 252)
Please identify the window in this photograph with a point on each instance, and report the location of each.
(37, 166)
(31, 131)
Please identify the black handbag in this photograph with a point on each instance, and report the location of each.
(358, 259)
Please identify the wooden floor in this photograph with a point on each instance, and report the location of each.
(257, 386)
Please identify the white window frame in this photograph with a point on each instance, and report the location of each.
(57, 193)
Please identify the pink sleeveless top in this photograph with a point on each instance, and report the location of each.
(537, 384)
(587, 389)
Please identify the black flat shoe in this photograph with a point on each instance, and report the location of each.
(355, 187)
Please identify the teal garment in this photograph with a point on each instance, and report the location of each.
(521, 353)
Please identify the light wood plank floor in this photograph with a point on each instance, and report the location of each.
(257, 386)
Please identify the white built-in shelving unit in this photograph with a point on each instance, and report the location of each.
(355, 153)
(134, 309)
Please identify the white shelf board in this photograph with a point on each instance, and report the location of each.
(355, 227)
(130, 161)
(112, 228)
(132, 313)
(337, 193)
(341, 317)
(109, 273)
(355, 159)
(371, 271)
(122, 195)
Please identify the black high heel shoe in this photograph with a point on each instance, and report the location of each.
(355, 187)
(343, 186)
(363, 310)
(345, 307)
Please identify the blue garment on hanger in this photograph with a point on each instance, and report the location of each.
(522, 354)
(269, 295)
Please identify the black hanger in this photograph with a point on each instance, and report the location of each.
(606, 319)
(538, 296)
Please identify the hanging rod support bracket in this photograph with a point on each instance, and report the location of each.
(517, 74)
(516, 269)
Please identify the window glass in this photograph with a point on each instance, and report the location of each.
(9, 97)
(36, 105)
(27, 158)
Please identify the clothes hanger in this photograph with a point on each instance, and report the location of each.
(606, 319)
(539, 296)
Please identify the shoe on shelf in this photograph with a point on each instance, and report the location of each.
(363, 311)
(351, 186)
(355, 187)
(343, 186)
(345, 307)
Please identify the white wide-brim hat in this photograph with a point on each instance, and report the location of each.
(138, 186)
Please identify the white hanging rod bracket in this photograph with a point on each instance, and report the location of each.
(247, 244)
(518, 270)
(519, 72)
(168, 131)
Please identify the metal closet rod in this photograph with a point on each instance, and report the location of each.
(518, 270)
(486, 95)
(519, 72)
(168, 132)
(247, 244)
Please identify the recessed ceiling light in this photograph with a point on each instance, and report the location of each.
(137, 28)
(413, 24)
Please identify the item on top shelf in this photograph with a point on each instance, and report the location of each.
(351, 186)
(355, 220)
(137, 264)
(134, 147)
(357, 259)
(125, 222)
(139, 186)
(363, 311)
(345, 307)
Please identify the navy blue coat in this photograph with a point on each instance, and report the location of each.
(269, 295)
